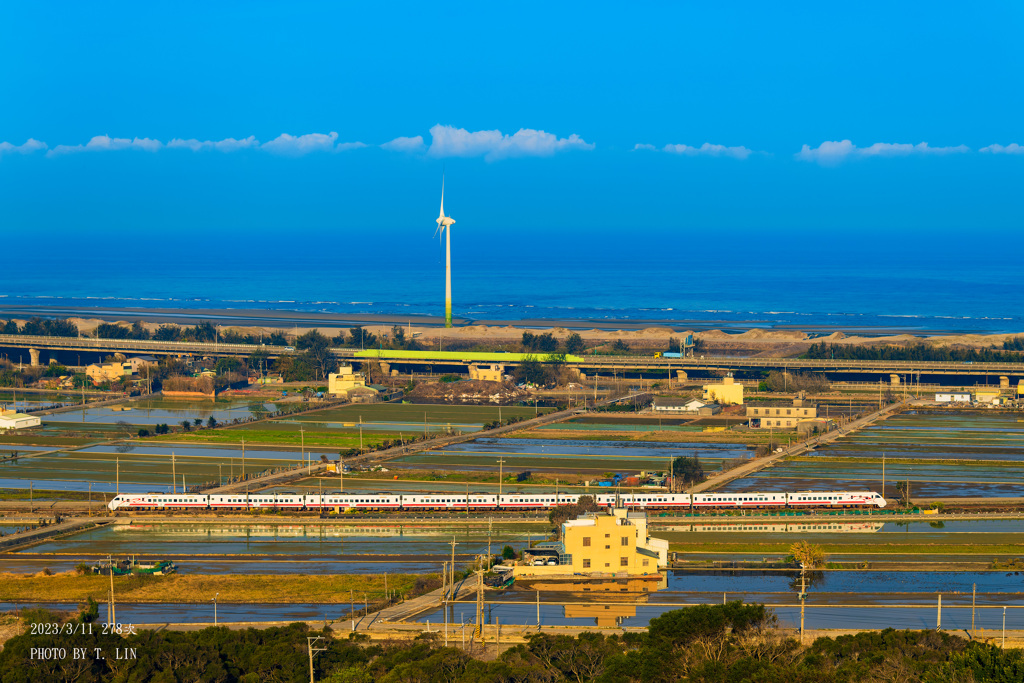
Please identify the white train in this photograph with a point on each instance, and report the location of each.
(485, 501)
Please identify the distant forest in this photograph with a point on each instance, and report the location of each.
(1010, 352)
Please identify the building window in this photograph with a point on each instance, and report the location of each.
(586, 541)
(607, 535)
(586, 564)
(788, 411)
(623, 561)
(607, 564)
(645, 562)
(625, 540)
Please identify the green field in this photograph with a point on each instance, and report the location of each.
(260, 434)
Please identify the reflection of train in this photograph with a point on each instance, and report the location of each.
(483, 501)
(781, 527)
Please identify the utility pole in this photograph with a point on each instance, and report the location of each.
(974, 596)
(113, 612)
(452, 569)
(243, 460)
(938, 616)
(174, 475)
(313, 642)
(501, 471)
(883, 474)
(302, 441)
(1003, 645)
(117, 470)
(803, 598)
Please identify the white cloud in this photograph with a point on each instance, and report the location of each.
(401, 144)
(104, 143)
(345, 146)
(225, 145)
(1012, 148)
(29, 146)
(832, 152)
(302, 144)
(706, 150)
(448, 141)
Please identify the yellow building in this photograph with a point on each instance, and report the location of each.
(779, 415)
(987, 395)
(107, 372)
(339, 383)
(727, 393)
(489, 373)
(609, 543)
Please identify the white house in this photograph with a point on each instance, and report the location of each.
(953, 397)
(10, 419)
(685, 406)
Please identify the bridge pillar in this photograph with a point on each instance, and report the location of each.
(681, 375)
(894, 380)
(385, 368)
(33, 354)
(1004, 382)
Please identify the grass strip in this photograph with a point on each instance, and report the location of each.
(856, 548)
(70, 587)
(260, 437)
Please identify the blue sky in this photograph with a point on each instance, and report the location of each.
(719, 123)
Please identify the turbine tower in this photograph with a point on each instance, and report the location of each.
(444, 224)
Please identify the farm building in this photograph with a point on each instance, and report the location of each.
(10, 419)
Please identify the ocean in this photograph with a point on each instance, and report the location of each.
(499, 287)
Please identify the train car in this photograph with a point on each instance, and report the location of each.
(655, 501)
(835, 499)
(736, 501)
(159, 501)
(537, 501)
(230, 501)
(290, 501)
(357, 500)
(450, 501)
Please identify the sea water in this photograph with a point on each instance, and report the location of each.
(694, 291)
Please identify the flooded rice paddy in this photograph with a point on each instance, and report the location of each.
(942, 453)
(408, 418)
(352, 544)
(575, 456)
(140, 468)
(151, 411)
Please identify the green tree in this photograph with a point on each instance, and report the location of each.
(686, 470)
(10, 327)
(574, 344)
(167, 332)
(360, 338)
(212, 422)
(318, 347)
(620, 346)
(227, 364)
(139, 331)
(111, 331)
(808, 555)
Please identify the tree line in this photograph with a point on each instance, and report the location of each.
(918, 352)
(734, 642)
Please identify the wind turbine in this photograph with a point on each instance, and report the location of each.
(444, 224)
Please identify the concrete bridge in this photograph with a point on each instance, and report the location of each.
(604, 364)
